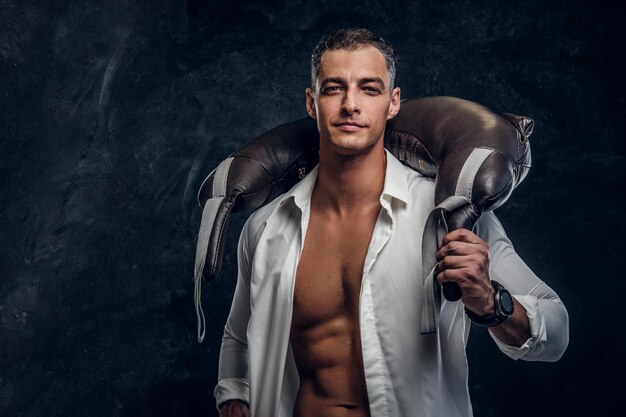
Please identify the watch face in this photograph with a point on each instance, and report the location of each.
(506, 302)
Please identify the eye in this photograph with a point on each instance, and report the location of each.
(372, 90)
(332, 89)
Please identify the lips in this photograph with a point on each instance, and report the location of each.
(349, 126)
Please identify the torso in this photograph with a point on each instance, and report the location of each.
(325, 335)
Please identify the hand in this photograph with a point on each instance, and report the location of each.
(464, 258)
(234, 408)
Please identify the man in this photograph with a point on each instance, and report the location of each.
(325, 317)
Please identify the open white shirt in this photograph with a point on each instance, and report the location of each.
(406, 373)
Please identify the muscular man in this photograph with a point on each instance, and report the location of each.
(325, 317)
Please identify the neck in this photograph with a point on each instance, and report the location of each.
(348, 183)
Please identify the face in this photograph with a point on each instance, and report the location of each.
(351, 101)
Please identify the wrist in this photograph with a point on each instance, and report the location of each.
(486, 306)
(489, 306)
(231, 403)
(498, 310)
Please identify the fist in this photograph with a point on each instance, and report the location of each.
(464, 258)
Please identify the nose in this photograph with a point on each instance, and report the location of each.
(350, 105)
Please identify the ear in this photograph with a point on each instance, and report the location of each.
(394, 105)
(310, 103)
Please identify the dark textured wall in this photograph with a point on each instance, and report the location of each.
(112, 113)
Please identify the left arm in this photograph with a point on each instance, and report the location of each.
(538, 329)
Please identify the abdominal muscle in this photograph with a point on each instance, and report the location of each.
(329, 361)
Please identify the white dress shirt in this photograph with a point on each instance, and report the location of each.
(406, 373)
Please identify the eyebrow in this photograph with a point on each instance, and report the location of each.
(376, 80)
(367, 80)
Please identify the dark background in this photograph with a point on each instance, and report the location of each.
(113, 112)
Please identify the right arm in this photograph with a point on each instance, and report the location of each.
(232, 390)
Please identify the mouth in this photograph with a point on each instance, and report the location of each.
(349, 126)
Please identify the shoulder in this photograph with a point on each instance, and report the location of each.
(421, 189)
(408, 185)
(417, 180)
(255, 225)
(282, 207)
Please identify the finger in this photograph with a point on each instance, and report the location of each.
(455, 262)
(474, 264)
(458, 248)
(450, 275)
(462, 235)
(467, 276)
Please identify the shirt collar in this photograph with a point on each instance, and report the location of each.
(301, 193)
(395, 186)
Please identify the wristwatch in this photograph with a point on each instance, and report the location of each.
(504, 307)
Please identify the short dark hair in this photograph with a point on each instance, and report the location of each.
(351, 39)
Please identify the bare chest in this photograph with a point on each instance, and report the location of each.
(328, 277)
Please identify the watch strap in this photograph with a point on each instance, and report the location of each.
(495, 318)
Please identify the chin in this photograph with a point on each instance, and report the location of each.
(351, 146)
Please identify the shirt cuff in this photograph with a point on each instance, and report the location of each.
(231, 389)
(537, 324)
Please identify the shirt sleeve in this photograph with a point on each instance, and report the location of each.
(232, 381)
(547, 316)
